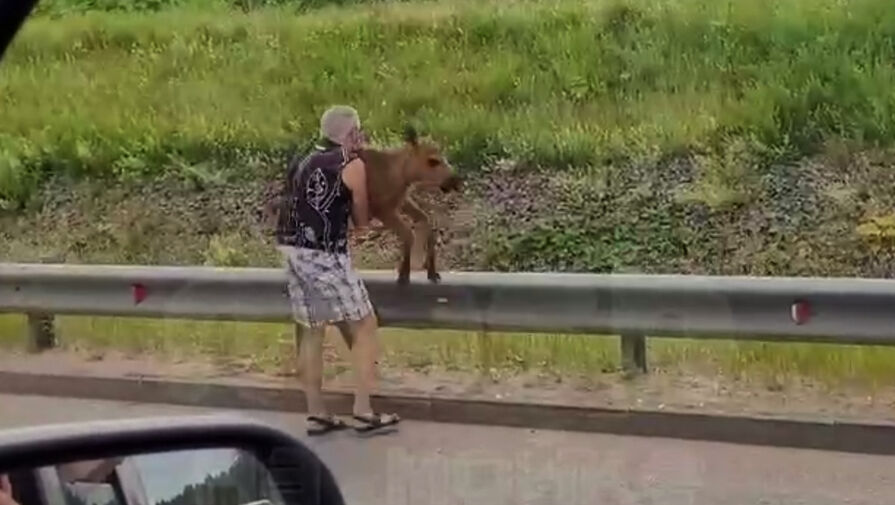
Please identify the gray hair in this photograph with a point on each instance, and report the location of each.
(337, 123)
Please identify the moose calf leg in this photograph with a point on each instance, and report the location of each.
(405, 234)
(421, 219)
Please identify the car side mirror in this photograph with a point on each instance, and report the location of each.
(204, 460)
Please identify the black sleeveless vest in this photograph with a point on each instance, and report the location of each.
(316, 203)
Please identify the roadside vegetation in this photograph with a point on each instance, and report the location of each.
(267, 348)
(701, 136)
(704, 136)
(562, 85)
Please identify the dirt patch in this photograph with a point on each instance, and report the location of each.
(821, 216)
(176, 222)
(654, 391)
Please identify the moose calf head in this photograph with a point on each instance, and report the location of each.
(427, 164)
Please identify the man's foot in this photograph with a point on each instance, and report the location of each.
(321, 425)
(367, 423)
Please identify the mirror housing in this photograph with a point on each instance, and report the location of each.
(300, 476)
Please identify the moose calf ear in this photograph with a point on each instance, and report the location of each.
(410, 135)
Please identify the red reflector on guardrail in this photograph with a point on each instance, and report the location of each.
(800, 312)
(139, 292)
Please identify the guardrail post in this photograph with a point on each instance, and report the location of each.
(41, 332)
(633, 353)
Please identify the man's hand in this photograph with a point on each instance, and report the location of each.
(369, 232)
(6, 491)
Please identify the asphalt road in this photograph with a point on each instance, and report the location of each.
(442, 464)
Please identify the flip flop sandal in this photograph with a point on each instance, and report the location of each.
(321, 425)
(375, 421)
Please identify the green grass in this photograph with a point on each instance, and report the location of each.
(56, 8)
(555, 83)
(267, 347)
(201, 89)
(13, 331)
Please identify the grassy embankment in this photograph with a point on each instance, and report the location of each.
(704, 136)
(264, 347)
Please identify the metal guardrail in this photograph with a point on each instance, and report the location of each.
(853, 311)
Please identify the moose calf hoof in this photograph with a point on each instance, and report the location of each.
(403, 280)
(435, 277)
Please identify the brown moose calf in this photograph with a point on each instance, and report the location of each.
(391, 176)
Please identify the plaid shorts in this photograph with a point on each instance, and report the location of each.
(323, 288)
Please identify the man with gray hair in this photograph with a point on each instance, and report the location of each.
(323, 189)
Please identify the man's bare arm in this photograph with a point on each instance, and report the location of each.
(355, 177)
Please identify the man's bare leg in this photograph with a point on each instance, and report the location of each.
(310, 353)
(363, 340)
